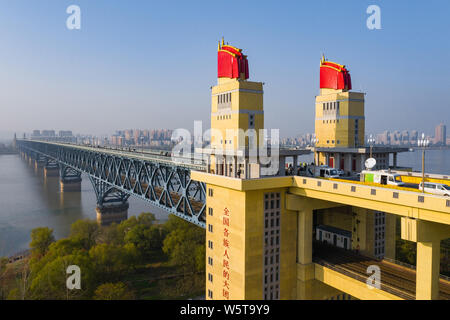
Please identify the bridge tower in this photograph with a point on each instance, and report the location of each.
(237, 115)
(251, 240)
(339, 112)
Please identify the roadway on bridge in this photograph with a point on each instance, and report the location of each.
(395, 279)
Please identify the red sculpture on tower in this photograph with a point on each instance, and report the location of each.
(334, 76)
(231, 63)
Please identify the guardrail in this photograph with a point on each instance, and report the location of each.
(410, 266)
(356, 276)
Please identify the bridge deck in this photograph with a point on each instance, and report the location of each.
(395, 279)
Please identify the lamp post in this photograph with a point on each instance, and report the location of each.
(314, 140)
(423, 142)
(371, 141)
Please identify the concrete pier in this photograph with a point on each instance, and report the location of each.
(112, 213)
(38, 164)
(70, 185)
(51, 171)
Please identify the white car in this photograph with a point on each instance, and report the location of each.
(436, 188)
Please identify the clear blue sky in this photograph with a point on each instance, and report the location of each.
(150, 64)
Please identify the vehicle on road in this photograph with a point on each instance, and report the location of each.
(436, 188)
(383, 177)
(325, 172)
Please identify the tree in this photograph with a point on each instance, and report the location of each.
(113, 291)
(3, 271)
(111, 235)
(145, 238)
(50, 281)
(41, 238)
(110, 262)
(85, 231)
(184, 244)
(146, 218)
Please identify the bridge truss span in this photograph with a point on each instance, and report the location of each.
(161, 182)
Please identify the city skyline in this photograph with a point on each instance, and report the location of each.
(90, 71)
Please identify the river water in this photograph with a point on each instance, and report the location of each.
(29, 200)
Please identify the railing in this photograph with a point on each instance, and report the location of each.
(410, 266)
(173, 160)
(356, 276)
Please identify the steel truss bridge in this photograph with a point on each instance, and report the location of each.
(116, 175)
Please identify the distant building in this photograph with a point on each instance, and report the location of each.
(66, 133)
(36, 133)
(440, 135)
(48, 133)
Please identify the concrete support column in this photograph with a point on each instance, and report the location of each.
(427, 278)
(51, 171)
(428, 236)
(390, 236)
(115, 213)
(305, 267)
(337, 160)
(70, 185)
(304, 241)
(395, 159)
(38, 164)
(282, 170)
(348, 161)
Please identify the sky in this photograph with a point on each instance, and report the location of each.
(150, 64)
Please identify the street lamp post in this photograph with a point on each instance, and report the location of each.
(314, 140)
(423, 142)
(371, 141)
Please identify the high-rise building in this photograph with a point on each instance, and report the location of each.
(440, 134)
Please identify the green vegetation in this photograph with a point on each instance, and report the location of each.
(136, 259)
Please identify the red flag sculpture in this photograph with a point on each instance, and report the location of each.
(334, 76)
(231, 63)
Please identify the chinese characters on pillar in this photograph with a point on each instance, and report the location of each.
(226, 256)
